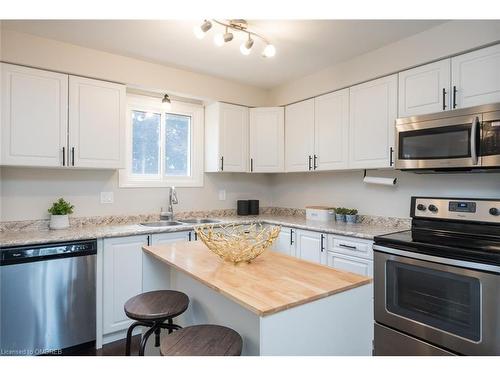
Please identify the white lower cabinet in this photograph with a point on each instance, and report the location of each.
(122, 278)
(122, 273)
(311, 246)
(165, 238)
(351, 264)
(285, 243)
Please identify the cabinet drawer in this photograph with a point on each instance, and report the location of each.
(350, 246)
(350, 264)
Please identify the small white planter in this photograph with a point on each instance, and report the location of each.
(59, 221)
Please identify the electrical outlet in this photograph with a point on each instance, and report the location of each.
(222, 195)
(107, 197)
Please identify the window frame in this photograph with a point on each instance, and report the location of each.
(151, 104)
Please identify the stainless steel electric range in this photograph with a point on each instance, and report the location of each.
(437, 286)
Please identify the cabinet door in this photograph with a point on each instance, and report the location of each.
(331, 130)
(311, 246)
(34, 116)
(267, 139)
(425, 89)
(166, 238)
(350, 264)
(122, 279)
(285, 243)
(373, 110)
(476, 77)
(233, 137)
(96, 123)
(299, 136)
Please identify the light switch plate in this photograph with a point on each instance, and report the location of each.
(222, 195)
(107, 197)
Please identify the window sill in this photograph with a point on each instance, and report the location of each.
(124, 181)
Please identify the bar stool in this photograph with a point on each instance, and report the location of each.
(152, 309)
(202, 340)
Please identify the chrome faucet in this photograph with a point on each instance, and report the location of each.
(172, 199)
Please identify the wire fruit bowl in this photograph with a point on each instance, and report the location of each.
(238, 243)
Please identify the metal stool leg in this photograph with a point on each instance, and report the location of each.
(157, 336)
(129, 336)
(170, 322)
(145, 337)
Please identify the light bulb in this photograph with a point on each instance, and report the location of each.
(219, 40)
(166, 104)
(246, 47)
(198, 32)
(269, 51)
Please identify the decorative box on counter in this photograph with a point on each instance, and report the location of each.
(321, 213)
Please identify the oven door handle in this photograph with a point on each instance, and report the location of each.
(473, 140)
(439, 260)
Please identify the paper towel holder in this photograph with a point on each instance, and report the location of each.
(379, 180)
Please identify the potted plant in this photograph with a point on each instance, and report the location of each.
(59, 214)
(340, 214)
(351, 215)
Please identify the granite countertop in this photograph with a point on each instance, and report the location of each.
(366, 230)
(294, 281)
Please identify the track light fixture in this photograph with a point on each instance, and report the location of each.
(237, 25)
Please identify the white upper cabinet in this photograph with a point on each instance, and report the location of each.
(373, 111)
(299, 136)
(34, 127)
(476, 77)
(267, 139)
(425, 89)
(226, 138)
(96, 123)
(331, 131)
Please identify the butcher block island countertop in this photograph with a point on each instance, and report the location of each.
(273, 282)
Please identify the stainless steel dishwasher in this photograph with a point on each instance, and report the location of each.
(48, 297)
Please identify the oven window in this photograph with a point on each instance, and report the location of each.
(443, 300)
(449, 142)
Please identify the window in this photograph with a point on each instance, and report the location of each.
(163, 148)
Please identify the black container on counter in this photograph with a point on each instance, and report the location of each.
(253, 206)
(242, 208)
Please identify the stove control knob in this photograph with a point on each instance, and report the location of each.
(421, 207)
(494, 211)
(433, 208)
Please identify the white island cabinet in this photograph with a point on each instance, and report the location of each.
(266, 300)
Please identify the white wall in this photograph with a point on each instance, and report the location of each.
(27, 193)
(31, 50)
(447, 39)
(346, 189)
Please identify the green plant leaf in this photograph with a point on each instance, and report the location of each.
(61, 207)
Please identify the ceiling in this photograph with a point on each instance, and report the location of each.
(303, 46)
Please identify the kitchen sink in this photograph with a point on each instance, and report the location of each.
(158, 224)
(199, 221)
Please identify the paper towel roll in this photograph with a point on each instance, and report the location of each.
(388, 181)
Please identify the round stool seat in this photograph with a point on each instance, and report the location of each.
(202, 340)
(156, 305)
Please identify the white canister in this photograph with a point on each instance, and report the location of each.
(320, 213)
(59, 221)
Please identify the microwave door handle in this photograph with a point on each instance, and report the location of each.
(473, 141)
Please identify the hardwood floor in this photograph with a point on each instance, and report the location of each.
(116, 348)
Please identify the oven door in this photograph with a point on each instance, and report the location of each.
(443, 143)
(447, 305)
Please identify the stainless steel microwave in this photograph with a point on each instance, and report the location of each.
(462, 139)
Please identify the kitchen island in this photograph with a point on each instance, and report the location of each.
(279, 304)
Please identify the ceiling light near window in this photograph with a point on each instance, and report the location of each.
(269, 51)
(200, 31)
(246, 47)
(166, 103)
